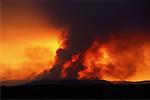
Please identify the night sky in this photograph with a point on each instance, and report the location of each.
(99, 18)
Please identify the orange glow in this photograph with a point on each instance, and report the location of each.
(34, 59)
(28, 42)
(68, 64)
(117, 60)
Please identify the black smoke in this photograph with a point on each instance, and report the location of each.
(90, 19)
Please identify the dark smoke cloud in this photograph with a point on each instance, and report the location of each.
(87, 19)
(62, 57)
(95, 18)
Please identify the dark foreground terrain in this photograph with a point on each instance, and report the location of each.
(76, 89)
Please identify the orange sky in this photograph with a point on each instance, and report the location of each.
(22, 26)
(25, 27)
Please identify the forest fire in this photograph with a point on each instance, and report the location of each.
(95, 45)
(68, 64)
(117, 60)
(67, 49)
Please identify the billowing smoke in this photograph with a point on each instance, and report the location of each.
(99, 20)
(75, 39)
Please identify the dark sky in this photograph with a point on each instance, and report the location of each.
(100, 13)
(90, 18)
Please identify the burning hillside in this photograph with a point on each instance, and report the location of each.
(118, 59)
(102, 41)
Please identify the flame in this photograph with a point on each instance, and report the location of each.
(117, 60)
(68, 64)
